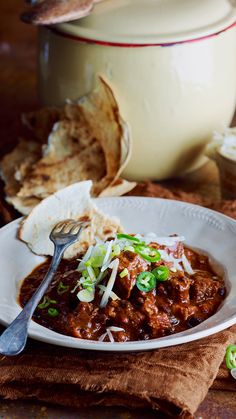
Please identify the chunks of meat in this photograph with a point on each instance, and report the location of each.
(203, 287)
(207, 308)
(123, 314)
(180, 286)
(162, 288)
(197, 261)
(184, 311)
(178, 303)
(135, 264)
(85, 322)
(158, 321)
(160, 325)
(148, 304)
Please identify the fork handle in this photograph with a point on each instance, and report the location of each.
(13, 339)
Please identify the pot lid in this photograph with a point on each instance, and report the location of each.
(153, 21)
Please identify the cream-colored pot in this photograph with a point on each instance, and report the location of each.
(171, 64)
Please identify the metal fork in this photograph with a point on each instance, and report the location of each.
(13, 339)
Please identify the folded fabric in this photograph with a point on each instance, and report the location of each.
(224, 380)
(175, 379)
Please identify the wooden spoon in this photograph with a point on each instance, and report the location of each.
(48, 12)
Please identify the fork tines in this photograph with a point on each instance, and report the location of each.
(68, 226)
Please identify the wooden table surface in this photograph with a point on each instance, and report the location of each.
(18, 93)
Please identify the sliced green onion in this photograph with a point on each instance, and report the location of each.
(124, 273)
(230, 357)
(53, 312)
(161, 273)
(96, 260)
(129, 249)
(85, 273)
(102, 248)
(91, 273)
(96, 271)
(115, 250)
(127, 237)
(61, 289)
(148, 253)
(86, 295)
(146, 281)
(87, 284)
(46, 302)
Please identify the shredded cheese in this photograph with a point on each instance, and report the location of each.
(116, 329)
(107, 256)
(113, 295)
(187, 266)
(86, 257)
(76, 286)
(161, 240)
(91, 273)
(102, 337)
(109, 334)
(166, 257)
(110, 283)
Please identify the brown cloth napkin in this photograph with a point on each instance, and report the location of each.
(174, 380)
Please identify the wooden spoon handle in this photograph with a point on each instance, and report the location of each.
(49, 12)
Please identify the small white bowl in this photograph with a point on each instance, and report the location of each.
(227, 169)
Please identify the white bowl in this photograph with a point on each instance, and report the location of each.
(204, 229)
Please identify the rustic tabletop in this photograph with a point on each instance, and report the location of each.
(18, 92)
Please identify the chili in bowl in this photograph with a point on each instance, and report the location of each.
(128, 288)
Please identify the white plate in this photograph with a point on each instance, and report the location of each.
(204, 229)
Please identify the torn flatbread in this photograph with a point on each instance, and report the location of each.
(72, 202)
(88, 141)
